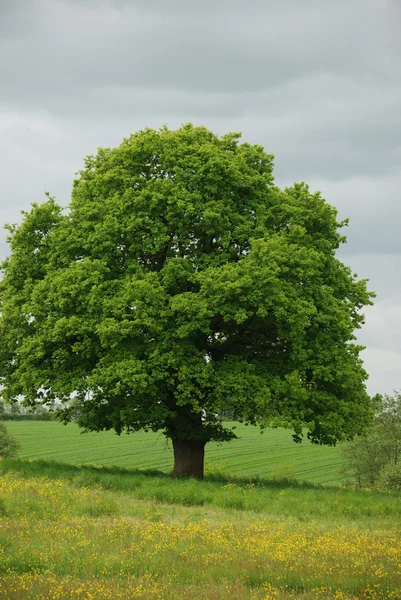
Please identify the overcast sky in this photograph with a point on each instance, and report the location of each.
(316, 82)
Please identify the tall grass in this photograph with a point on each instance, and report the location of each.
(81, 532)
(301, 500)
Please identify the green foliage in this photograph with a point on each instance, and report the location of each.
(219, 470)
(8, 445)
(42, 416)
(375, 458)
(180, 283)
(390, 477)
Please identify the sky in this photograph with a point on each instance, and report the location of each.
(317, 83)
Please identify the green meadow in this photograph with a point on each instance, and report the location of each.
(270, 454)
(97, 517)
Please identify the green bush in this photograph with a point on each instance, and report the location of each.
(374, 460)
(390, 478)
(8, 445)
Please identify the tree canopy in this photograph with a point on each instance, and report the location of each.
(179, 283)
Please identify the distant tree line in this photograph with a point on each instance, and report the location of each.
(16, 412)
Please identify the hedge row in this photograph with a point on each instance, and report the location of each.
(19, 417)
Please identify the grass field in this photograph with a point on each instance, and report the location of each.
(73, 526)
(92, 533)
(271, 454)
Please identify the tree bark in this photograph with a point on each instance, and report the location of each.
(189, 458)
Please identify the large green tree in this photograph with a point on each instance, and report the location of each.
(181, 282)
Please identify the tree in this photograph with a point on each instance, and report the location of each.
(374, 459)
(8, 445)
(182, 282)
(15, 409)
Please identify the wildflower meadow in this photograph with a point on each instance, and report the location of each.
(97, 533)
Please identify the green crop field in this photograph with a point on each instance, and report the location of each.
(271, 454)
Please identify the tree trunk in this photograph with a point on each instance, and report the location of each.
(189, 458)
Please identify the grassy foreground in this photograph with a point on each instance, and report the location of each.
(272, 454)
(105, 533)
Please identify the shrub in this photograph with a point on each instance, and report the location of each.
(45, 416)
(391, 477)
(374, 460)
(8, 445)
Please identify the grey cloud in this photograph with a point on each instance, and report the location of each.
(383, 365)
(267, 45)
(383, 328)
(373, 205)
(301, 76)
(384, 274)
(381, 333)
